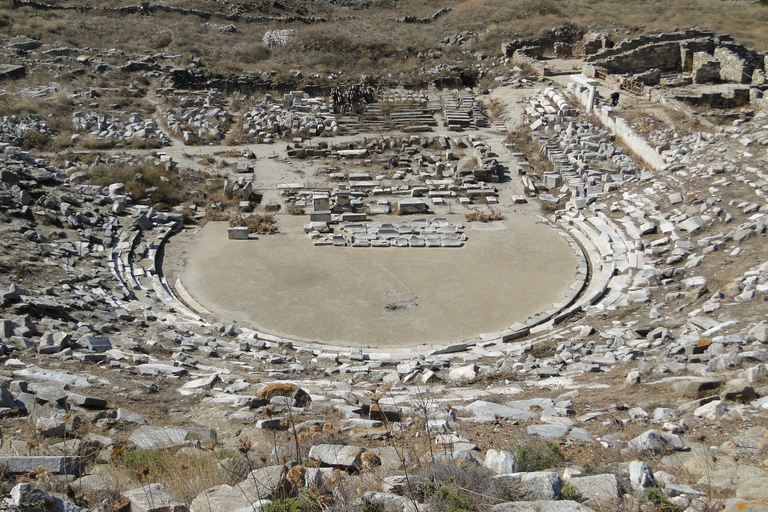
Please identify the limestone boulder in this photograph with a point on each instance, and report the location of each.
(500, 462)
(463, 373)
(541, 506)
(655, 442)
(541, 485)
(641, 476)
(344, 457)
(224, 498)
(27, 497)
(300, 397)
(153, 498)
(598, 490)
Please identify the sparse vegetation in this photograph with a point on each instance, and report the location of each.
(478, 216)
(292, 209)
(539, 457)
(462, 485)
(144, 182)
(57, 260)
(185, 473)
(569, 492)
(258, 224)
(300, 504)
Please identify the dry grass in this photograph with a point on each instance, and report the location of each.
(371, 40)
(259, 224)
(145, 181)
(184, 474)
(478, 216)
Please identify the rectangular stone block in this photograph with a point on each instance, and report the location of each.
(86, 401)
(515, 331)
(320, 216)
(95, 343)
(65, 465)
(237, 233)
(353, 217)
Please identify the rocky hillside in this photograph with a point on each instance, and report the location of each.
(646, 388)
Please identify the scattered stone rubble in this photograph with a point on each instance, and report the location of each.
(105, 332)
(14, 129)
(277, 38)
(295, 116)
(108, 128)
(199, 118)
(435, 232)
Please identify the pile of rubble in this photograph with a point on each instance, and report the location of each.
(294, 116)
(199, 118)
(277, 38)
(435, 232)
(14, 129)
(92, 331)
(108, 128)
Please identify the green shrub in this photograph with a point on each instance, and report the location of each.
(372, 506)
(656, 496)
(539, 458)
(448, 498)
(569, 492)
(135, 459)
(142, 181)
(305, 502)
(284, 505)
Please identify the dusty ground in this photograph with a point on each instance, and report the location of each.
(284, 284)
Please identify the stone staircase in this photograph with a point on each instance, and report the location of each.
(140, 276)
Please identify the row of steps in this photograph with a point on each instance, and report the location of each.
(374, 118)
(612, 254)
(140, 277)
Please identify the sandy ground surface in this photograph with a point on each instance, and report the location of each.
(283, 284)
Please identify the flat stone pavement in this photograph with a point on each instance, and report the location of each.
(283, 284)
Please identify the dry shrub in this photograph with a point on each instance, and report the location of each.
(453, 485)
(96, 144)
(550, 207)
(259, 224)
(292, 209)
(478, 216)
(142, 181)
(185, 474)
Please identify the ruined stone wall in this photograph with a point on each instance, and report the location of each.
(636, 143)
(689, 48)
(156, 8)
(567, 34)
(663, 56)
(530, 56)
(737, 63)
(621, 128)
(739, 98)
(641, 41)
(706, 69)
(700, 53)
